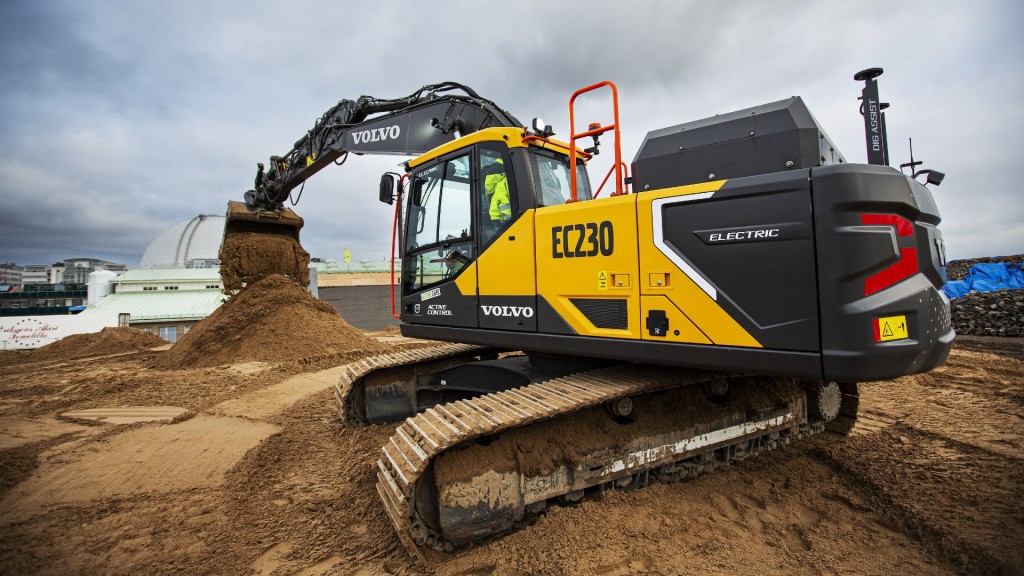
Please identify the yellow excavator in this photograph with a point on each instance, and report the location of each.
(723, 299)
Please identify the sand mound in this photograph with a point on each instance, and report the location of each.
(106, 341)
(272, 320)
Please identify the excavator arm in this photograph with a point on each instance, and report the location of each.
(261, 235)
(409, 126)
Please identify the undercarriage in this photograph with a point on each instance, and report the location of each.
(487, 444)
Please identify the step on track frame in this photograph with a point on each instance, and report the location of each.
(347, 392)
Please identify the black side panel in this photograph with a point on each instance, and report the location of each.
(753, 240)
(550, 321)
(509, 313)
(443, 304)
(761, 140)
(872, 270)
(747, 360)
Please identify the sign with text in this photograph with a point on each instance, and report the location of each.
(28, 332)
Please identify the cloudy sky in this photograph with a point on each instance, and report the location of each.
(120, 119)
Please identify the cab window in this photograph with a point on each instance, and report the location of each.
(439, 240)
(497, 200)
(551, 171)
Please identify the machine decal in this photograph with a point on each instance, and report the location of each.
(659, 240)
(377, 134)
(510, 311)
(891, 328)
(582, 240)
(430, 294)
(438, 310)
(602, 280)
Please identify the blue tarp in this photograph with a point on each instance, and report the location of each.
(956, 288)
(987, 278)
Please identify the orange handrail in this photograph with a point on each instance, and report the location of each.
(594, 132)
(605, 181)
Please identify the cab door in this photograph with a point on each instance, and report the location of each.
(438, 276)
(506, 270)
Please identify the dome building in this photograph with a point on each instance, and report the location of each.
(190, 244)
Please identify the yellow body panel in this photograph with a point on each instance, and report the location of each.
(558, 253)
(511, 137)
(507, 268)
(597, 276)
(685, 294)
(466, 282)
(677, 321)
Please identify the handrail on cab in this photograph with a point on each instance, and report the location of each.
(596, 130)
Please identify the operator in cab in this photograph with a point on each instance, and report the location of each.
(496, 185)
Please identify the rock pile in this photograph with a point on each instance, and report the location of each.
(957, 269)
(986, 313)
(989, 313)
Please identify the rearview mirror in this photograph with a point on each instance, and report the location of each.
(387, 188)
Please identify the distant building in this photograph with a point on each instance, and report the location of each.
(167, 302)
(359, 291)
(193, 243)
(45, 290)
(35, 274)
(10, 274)
(77, 270)
(41, 299)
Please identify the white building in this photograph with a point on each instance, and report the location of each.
(35, 274)
(167, 302)
(193, 243)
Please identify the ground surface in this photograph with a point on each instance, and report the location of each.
(254, 474)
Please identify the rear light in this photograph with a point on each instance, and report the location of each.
(903, 268)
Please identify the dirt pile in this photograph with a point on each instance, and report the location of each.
(930, 482)
(106, 341)
(247, 257)
(273, 320)
(989, 313)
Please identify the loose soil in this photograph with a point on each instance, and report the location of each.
(105, 342)
(273, 320)
(263, 479)
(248, 257)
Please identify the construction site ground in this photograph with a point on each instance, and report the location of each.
(131, 463)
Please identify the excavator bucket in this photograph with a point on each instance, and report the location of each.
(241, 219)
(260, 243)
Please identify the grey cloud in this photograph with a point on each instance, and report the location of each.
(121, 120)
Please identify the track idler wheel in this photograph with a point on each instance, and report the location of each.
(823, 401)
(834, 404)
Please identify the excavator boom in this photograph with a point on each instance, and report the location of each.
(433, 115)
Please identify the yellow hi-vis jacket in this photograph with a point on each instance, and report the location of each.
(496, 186)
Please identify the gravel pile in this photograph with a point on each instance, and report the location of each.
(986, 313)
(989, 313)
(957, 269)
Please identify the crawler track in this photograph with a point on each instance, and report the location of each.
(405, 478)
(348, 390)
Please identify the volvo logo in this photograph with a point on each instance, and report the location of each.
(376, 134)
(509, 311)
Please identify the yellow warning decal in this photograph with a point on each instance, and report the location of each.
(602, 280)
(891, 328)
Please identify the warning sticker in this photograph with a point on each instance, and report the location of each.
(891, 328)
(602, 280)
